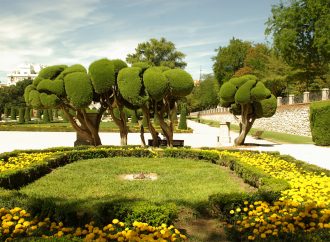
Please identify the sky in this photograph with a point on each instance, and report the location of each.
(81, 31)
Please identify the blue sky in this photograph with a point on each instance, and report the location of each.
(81, 31)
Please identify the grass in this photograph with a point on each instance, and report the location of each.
(273, 136)
(66, 127)
(181, 181)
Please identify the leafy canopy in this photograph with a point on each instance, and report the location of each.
(157, 53)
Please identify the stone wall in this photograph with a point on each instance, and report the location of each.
(291, 119)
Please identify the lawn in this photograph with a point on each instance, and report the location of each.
(182, 181)
(66, 127)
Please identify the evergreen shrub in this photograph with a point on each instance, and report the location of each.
(319, 116)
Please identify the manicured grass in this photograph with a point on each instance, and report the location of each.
(66, 127)
(273, 136)
(181, 181)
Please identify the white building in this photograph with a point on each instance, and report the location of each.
(26, 71)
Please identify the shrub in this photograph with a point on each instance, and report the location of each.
(27, 114)
(21, 112)
(183, 117)
(13, 113)
(320, 122)
(156, 83)
(180, 82)
(45, 116)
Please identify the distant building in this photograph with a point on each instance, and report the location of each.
(26, 71)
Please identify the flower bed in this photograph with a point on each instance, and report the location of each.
(301, 211)
(18, 223)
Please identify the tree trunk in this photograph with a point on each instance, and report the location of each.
(143, 142)
(245, 124)
(167, 129)
(151, 128)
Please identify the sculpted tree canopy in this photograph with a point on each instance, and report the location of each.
(248, 97)
(157, 53)
(301, 34)
(155, 90)
(69, 89)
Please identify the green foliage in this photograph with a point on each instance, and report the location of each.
(7, 112)
(180, 82)
(27, 115)
(300, 32)
(27, 91)
(45, 116)
(227, 92)
(142, 65)
(50, 114)
(320, 122)
(34, 99)
(130, 84)
(266, 107)
(134, 118)
(155, 83)
(13, 113)
(102, 73)
(118, 65)
(49, 101)
(21, 112)
(72, 69)
(205, 95)
(51, 86)
(157, 53)
(79, 89)
(260, 92)
(243, 94)
(229, 59)
(183, 117)
(39, 113)
(50, 72)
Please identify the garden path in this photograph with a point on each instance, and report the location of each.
(202, 136)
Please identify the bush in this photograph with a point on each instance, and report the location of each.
(21, 112)
(45, 116)
(13, 113)
(183, 117)
(320, 122)
(27, 115)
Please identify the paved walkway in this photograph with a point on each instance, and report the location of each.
(202, 136)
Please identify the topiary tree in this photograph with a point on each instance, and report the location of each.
(183, 117)
(45, 116)
(27, 115)
(13, 113)
(21, 112)
(155, 90)
(104, 74)
(69, 89)
(249, 98)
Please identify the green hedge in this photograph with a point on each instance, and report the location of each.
(320, 122)
(21, 177)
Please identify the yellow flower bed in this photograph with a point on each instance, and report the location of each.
(23, 160)
(303, 207)
(18, 223)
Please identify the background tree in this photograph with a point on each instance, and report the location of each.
(249, 98)
(205, 95)
(301, 34)
(229, 59)
(157, 53)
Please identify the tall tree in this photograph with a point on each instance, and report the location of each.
(229, 59)
(157, 53)
(205, 95)
(301, 34)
